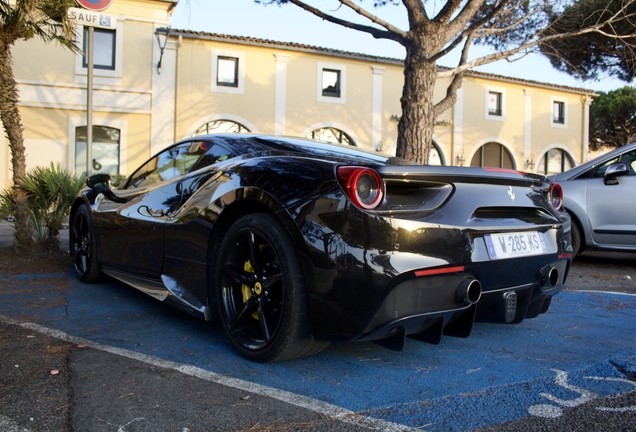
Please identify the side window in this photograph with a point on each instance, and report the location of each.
(332, 83)
(214, 155)
(495, 103)
(228, 72)
(104, 48)
(559, 112)
(492, 155)
(630, 159)
(555, 161)
(220, 126)
(171, 163)
(104, 151)
(330, 134)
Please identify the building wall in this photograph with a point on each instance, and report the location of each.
(279, 93)
(53, 91)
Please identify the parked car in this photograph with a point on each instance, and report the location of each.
(295, 243)
(600, 196)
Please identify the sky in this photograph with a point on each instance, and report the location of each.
(289, 23)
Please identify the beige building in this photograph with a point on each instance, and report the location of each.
(214, 83)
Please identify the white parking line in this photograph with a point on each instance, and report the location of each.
(308, 403)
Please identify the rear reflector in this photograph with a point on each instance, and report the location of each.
(439, 271)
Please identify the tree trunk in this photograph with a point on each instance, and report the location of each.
(13, 127)
(415, 129)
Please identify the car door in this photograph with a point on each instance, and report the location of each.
(131, 233)
(184, 238)
(611, 207)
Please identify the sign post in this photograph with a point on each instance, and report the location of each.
(91, 18)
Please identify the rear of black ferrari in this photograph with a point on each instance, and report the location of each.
(425, 251)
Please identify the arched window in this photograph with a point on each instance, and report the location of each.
(331, 135)
(555, 161)
(435, 155)
(492, 155)
(104, 151)
(221, 126)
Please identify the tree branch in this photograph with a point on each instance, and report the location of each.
(373, 18)
(447, 12)
(493, 30)
(533, 42)
(393, 34)
(468, 12)
(417, 13)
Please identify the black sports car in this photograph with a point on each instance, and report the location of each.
(295, 243)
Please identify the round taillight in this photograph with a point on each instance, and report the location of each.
(363, 186)
(556, 196)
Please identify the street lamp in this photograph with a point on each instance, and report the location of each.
(162, 34)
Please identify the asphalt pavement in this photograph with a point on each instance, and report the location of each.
(106, 357)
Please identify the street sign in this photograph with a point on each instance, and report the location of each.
(92, 19)
(95, 5)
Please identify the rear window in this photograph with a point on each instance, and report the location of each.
(320, 148)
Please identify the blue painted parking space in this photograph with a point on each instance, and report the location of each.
(570, 355)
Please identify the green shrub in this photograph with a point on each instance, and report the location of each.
(50, 192)
(117, 179)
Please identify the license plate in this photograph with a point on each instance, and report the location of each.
(515, 244)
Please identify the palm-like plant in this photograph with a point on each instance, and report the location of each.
(22, 20)
(50, 193)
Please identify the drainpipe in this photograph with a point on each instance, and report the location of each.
(176, 88)
(585, 126)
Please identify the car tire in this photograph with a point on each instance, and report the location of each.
(576, 238)
(83, 246)
(261, 291)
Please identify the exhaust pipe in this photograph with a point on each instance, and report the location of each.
(550, 277)
(469, 291)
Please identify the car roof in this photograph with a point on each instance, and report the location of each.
(574, 172)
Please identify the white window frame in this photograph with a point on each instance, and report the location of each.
(502, 92)
(101, 76)
(343, 83)
(113, 60)
(564, 101)
(240, 88)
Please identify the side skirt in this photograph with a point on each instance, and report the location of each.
(167, 290)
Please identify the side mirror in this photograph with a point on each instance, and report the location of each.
(615, 170)
(101, 183)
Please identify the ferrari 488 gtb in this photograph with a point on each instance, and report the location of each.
(294, 243)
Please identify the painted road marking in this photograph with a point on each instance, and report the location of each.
(457, 385)
(551, 411)
(317, 406)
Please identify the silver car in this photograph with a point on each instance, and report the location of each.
(600, 196)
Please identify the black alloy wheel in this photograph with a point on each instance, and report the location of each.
(261, 291)
(83, 246)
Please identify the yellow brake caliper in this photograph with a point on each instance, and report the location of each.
(245, 290)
